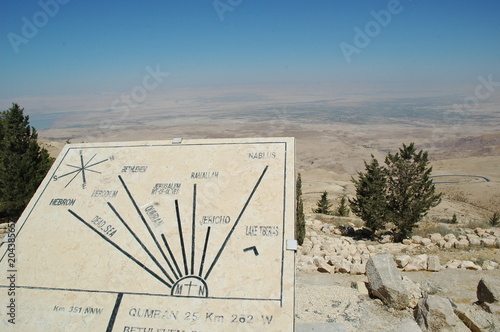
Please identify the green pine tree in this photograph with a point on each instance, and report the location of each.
(300, 220)
(323, 204)
(342, 209)
(23, 164)
(411, 192)
(370, 202)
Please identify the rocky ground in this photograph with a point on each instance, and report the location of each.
(440, 275)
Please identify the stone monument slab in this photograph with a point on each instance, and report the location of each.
(183, 235)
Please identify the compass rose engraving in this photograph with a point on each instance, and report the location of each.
(83, 168)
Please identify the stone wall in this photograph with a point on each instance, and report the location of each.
(326, 250)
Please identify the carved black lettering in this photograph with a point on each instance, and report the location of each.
(205, 175)
(166, 189)
(62, 201)
(215, 220)
(134, 169)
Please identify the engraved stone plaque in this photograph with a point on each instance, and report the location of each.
(154, 237)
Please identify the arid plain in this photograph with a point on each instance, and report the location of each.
(335, 130)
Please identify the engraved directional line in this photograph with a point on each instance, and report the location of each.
(205, 246)
(115, 312)
(254, 248)
(181, 236)
(121, 250)
(141, 244)
(143, 219)
(171, 256)
(235, 223)
(193, 232)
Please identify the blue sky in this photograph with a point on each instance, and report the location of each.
(94, 46)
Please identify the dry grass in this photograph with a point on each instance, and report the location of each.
(431, 227)
(473, 254)
(339, 221)
(479, 224)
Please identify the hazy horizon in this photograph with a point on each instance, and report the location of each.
(96, 58)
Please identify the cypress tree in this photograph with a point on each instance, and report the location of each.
(300, 220)
(23, 164)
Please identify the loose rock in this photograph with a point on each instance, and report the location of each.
(433, 264)
(435, 313)
(488, 290)
(385, 281)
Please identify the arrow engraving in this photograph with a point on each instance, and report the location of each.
(255, 251)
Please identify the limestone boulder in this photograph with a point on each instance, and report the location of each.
(486, 265)
(344, 267)
(450, 237)
(477, 319)
(360, 286)
(406, 242)
(435, 313)
(435, 237)
(413, 290)
(385, 239)
(480, 231)
(316, 225)
(453, 264)
(469, 265)
(385, 281)
(402, 260)
(488, 242)
(473, 239)
(417, 263)
(356, 259)
(433, 264)
(416, 239)
(357, 268)
(449, 244)
(488, 290)
(461, 244)
(426, 242)
(334, 260)
(322, 265)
